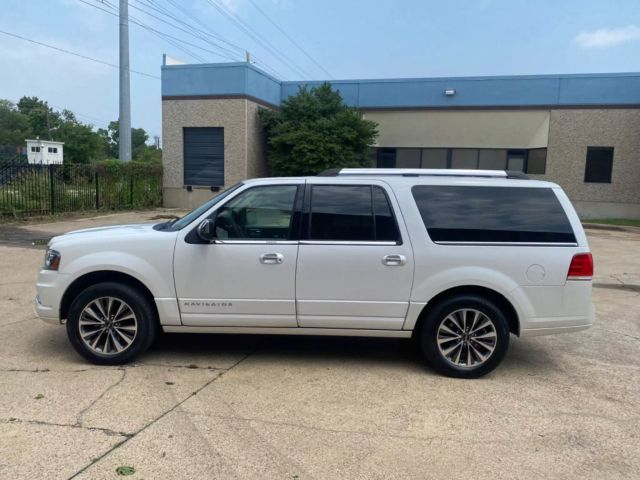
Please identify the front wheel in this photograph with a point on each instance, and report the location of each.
(110, 323)
(465, 336)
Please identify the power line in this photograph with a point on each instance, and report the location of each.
(241, 24)
(113, 65)
(298, 46)
(156, 33)
(167, 13)
(172, 39)
(241, 50)
(163, 35)
(78, 114)
(226, 50)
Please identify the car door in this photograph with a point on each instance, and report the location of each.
(246, 277)
(355, 263)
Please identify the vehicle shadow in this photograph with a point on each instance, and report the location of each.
(201, 350)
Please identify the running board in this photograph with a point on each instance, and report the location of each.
(338, 332)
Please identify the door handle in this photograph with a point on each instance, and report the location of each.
(394, 260)
(271, 258)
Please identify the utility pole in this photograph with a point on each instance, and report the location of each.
(124, 135)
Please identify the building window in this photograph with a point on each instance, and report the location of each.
(408, 158)
(464, 158)
(516, 160)
(35, 149)
(52, 149)
(203, 156)
(386, 158)
(532, 161)
(492, 159)
(599, 165)
(537, 161)
(435, 157)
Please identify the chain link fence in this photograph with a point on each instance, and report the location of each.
(28, 190)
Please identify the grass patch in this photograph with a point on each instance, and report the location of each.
(125, 470)
(626, 222)
(39, 396)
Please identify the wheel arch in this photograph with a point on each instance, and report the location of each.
(495, 297)
(91, 278)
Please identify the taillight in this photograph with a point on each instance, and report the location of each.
(581, 267)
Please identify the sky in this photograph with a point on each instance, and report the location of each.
(339, 39)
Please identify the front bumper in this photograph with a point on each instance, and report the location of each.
(50, 288)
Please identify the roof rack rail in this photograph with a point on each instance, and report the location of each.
(517, 175)
(419, 172)
(331, 172)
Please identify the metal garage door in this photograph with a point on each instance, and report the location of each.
(204, 156)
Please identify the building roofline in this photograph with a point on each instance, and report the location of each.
(41, 140)
(238, 79)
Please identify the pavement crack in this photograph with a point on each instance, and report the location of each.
(17, 321)
(159, 417)
(24, 370)
(106, 431)
(620, 333)
(101, 396)
(167, 365)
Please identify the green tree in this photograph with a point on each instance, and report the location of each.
(314, 131)
(14, 125)
(42, 118)
(111, 139)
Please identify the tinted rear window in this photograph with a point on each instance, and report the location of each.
(492, 214)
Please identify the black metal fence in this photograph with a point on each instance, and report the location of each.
(33, 190)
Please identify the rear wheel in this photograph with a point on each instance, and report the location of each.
(465, 336)
(110, 323)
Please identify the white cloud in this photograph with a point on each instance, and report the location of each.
(607, 37)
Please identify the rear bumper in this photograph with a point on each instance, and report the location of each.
(553, 325)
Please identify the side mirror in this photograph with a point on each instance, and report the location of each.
(207, 230)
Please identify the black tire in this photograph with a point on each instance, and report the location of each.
(428, 337)
(145, 318)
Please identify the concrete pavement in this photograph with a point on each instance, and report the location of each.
(562, 407)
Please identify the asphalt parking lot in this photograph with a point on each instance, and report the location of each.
(561, 407)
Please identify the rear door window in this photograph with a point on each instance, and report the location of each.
(360, 213)
(492, 214)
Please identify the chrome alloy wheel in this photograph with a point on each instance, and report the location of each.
(467, 338)
(108, 325)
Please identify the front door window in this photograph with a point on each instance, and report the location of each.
(259, 213)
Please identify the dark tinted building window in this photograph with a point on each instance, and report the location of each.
(529, 161)
(386, 158)
(537, 161)
(492, 214)
(351, 213)
(599, 165)
(203, 156)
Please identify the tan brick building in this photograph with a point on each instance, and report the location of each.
(581, 131)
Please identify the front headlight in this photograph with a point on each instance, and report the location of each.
(51, 259)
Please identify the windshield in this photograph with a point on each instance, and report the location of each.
(180, 223)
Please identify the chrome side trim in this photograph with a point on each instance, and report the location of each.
(256, 242)
(345, 242)
(338, 332)
(511, 244)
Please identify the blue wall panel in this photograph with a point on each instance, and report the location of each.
(513, 91)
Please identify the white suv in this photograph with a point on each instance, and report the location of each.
(456, 259)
